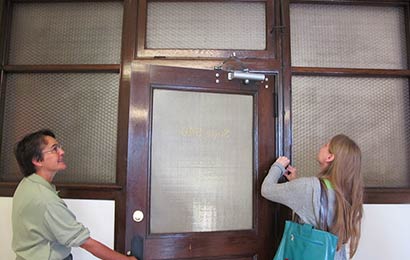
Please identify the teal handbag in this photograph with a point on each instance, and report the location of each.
(304, 242)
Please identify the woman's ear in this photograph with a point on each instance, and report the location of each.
(330, 158)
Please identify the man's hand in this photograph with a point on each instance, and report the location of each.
(101, 251)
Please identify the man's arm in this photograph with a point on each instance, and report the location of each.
(102, 251)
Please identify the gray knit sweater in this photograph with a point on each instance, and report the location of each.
(302, 195)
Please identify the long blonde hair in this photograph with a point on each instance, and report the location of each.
(344, 172)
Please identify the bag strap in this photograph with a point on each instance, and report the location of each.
(329, 185)
(323, 206)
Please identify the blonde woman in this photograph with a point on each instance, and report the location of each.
(340, 163)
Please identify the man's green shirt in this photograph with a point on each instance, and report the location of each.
(43, 226)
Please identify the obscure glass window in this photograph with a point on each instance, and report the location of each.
(206, 25)
(66, 33)
(375, 112)
(82, 111)
(348, 36)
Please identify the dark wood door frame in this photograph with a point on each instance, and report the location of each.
(257, 243)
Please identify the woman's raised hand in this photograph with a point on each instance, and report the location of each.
(291, 173)
(283, 160)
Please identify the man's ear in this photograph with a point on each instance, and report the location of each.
(330, 158)
(36, 163)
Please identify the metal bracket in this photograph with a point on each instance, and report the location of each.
(243, 74)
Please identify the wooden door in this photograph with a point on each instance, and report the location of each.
(199, 147)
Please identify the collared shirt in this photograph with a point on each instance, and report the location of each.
(43, 226)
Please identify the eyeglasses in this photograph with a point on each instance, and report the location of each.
(54, 149)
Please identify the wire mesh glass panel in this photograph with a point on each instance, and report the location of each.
(372, 111)
(206, 25)
(82, 111)
(348, 36)
(66, 33)
(202, 162)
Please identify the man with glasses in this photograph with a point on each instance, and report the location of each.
(43, 226)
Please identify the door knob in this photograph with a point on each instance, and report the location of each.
(138, 216)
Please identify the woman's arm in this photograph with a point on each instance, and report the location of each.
(271, 180)
(298, 194)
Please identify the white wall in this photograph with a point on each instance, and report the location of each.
(385, 229)
(97, 215)
(385, 233)
(5, 227)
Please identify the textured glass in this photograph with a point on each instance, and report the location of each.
(206, 25)
(202, 162)
(348, 36)
(66, 33)
(82, 111)
(372, 111)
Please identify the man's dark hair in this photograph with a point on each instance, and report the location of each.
(29, 148)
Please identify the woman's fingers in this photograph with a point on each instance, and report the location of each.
(291, 173)
(283, 160)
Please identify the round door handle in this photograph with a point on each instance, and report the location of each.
(138, 216)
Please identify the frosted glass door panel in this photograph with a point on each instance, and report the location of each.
(202, 162)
